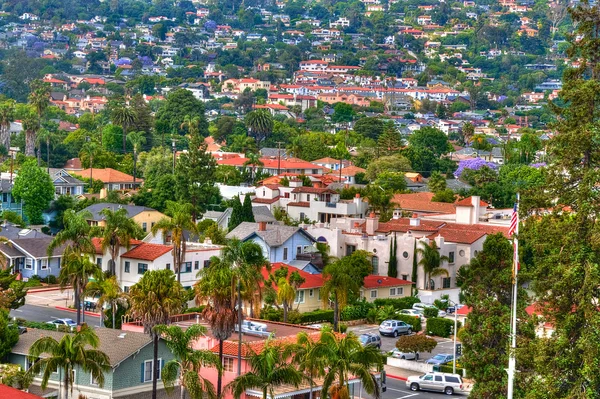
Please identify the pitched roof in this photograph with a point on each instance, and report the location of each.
(469, 202)
(13, 393)
(117, 349)
(268, 163)
(313, 190)
(274, 235)
(38, 247)
(373, 281)
(108, 175)
(132, 210)
(422, 202)
(146, 251)
(458, 236)
(403, 225)
(350, 170)
(311, 280)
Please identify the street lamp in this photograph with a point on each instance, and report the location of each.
(455, 327)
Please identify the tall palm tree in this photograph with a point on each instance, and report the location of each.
(118, 232)
(286, 294)
(253, 160)
(345, 357)
(79, 350)
(7, 115)
(136, 139)
(153, 300)
(268, 370)
(260, 123)
(108, 292)
(75, 271)
(191, 124)
(39, 100)
(215, 291)
(308, 355)
(431, 261)
(294, 148)
(123, 116)
(44, 135)
(92, 149)
(176, 224)
(31, 124)
(188, 362)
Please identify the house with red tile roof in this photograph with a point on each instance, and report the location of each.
(112, 178)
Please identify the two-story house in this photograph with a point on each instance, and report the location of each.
(145, 217)
(65, 184)
(130, 356)
(112, 179)
(7, 201)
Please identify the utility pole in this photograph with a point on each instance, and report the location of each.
(174, 152)
(279, 157)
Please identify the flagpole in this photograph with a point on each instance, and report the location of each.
(513, 328)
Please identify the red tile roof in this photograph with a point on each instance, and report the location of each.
(302, 204)
(98, 244)
(374, 281)
(230, 348)
(458, 236)
(146, 251)
(13, 393)
(422, 202)
(109, 175)
(403, 225)
(468, 202)
(291, 163)
(311, 280)
(266, 200)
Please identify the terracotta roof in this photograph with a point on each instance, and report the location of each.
(327, 160)
(350, 171)
(469, 202)
(313, 190)
(13, 393)
(486, 228)
(422, 202)
(291, 163)
(108, 175)
(266, 200)
(146, 251)
(461, 236)
(302, 204)
(73, 163)
(373, 281)
(311, 280)
(98, 244)
(230, 348)
(403, 225)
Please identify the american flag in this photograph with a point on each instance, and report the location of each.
(514, 221)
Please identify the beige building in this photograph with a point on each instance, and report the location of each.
(145, 217)
(240, 85)
(384, 287)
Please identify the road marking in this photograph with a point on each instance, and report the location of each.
(17, 310)
(407, 396)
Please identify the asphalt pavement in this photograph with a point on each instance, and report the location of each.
(45, 313)
(397, 389)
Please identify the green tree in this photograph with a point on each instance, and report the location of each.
(179, 104)
(486, 286)
(247, 210)
(176, 225)
(236, 213)
(260, 124)
(117, 233)
(9, 334)
(437, 182)
(393, 262)
(34, 187)
(92, 149)
(153, 300)
(416, 343)
(343, 280)
(75, 272)
(431, 261)
(432, 139)
(72, 352)
(347, 357)
(268, 369)
(188, 362)
(137, 139)
(7, 115)
(124, 116)
(108, 292)
(39, 100)
(392, 163)
(369, 127)
(391, 181)
(308, 356)
(342, 113)
(467, 132)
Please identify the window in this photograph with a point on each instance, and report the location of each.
(475, 253)
(451, 257)
(304, 250)
(145, 226)
(126, 289)
(452, 379)
(93, 381)
(350, 249)
(446, 282)
(285, 253)
(299, 296)
(28, 263)
(302, 216)
(99, 262)
(147, 370)
(228, 364)
(375, 264)
(438, 378)
(405, 277)
(197, 265)
(186, 267)
(428, 378)
(168, 266)
(298, 249)
(127, 267)
(373, 293)
(399, 291)
(311, 293)
(405, 255)
(4, 197)
(461, 252)
(44, 263)
(206, 263)
(392, 292)
(142, 268)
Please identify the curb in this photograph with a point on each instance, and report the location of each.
(34, 290)
(73, 311)
(395, 377)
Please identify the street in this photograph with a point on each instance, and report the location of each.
(397, 389)
(45, 313)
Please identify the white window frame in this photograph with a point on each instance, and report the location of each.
(285, 253)
(393, 292)
(93, 381)
(30, 261)
(451, 259)
(226, 362)
(44, 264)
(300, 297)
(146, 362)
(298, 249)
(373, 292)
(399, 291)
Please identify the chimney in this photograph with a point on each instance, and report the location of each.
(357, 199)
(414, 220)
(475, 201)
(372, 224)
(397, 214)
(262, 226)
(103, 193)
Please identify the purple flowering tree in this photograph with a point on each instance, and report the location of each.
(473, 164)
(538, 165)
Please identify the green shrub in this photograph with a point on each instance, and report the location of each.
(317, 316)
(399, 303)
(33, 281)
(448, 369)
(51, 279)
(293, 317)
(360, 310)
(343, 328)
(413, 321)
(43, 326)
(440, 327)
(118, 317)
(430, 312)
(196, 309)
(271, 314)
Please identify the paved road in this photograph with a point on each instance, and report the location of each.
(396, 389)
(44, 313)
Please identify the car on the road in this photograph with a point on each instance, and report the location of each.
(398, 354)
(411, 312)
(440, 358)
(394, 328)
(63, 322)
(442, 382)
(370, 340)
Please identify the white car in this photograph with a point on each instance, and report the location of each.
(411, 312)
(420, 307)
(398, 354)
(63, 322)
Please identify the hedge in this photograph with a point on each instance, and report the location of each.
(357, 311)
(294, 317)
(413, 321)
(449, 369)
(317, 316)
(197, 309)
(400, 303)
(440, 327)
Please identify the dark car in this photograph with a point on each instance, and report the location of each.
(370, 340)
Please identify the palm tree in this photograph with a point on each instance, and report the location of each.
(192, 124)
(285, 296)
(31, 124)
(39, 100)
(345, 357)
(79, 350)
(75, 271)
(268, 370)
(153, 300)
(253, 160)
(179, 221)
(136, 139)
(92, 149)
(44, 135)
(308, 356)
(431, 260)
(188, 362)
(7, 115)
(108, 292)
(214, 289)
(117, 232)
(260, 123)
(294, 148)
(123, 116)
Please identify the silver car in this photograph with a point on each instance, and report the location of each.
(394, 328)
(442, 382)
(398, 354)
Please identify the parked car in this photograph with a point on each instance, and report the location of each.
(440, 358)
(420, 307)
(394, 328)
(441, 382)
(370, 340)
(454, 308)
(411, 312)
(63, 322)
(398, 354)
